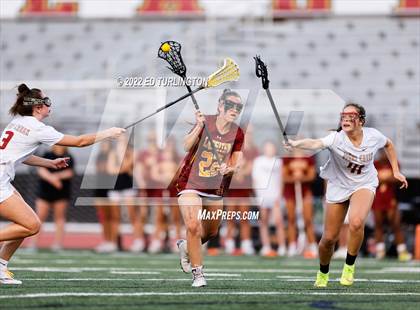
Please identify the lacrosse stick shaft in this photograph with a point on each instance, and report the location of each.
(206, 130)
(276, 114)
(190, 93)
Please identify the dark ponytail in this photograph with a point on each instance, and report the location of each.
(360, 110)
(24, 92)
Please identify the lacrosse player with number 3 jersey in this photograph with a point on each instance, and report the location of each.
(18, 142)
(351, 184)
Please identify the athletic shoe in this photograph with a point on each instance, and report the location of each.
(106, 247)
(321, 279)
(137, 246)
(247, 248)
(184, 260)
(311, 251)
(56, 247)
(347, 277)
(267, 251)
(6, 277)
(229, 246)
(213, 251)
(380, 254)
(198, 277)
(155, 246)
(341, 253)
(380, 250)
(281, 251)
(292, 250)
(404, 256)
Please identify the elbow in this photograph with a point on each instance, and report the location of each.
(82, 142)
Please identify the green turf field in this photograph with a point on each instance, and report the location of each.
(82, 280)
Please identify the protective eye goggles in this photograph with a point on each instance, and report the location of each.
(233, 105)
(349, 116)
(36, 101)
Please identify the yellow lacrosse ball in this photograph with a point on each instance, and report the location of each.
(165, 47)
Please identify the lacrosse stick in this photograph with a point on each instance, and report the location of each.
(261, 72)
(171, 52)
(228, 72)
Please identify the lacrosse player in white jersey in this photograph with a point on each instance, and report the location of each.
(351, 184)
(18, 142)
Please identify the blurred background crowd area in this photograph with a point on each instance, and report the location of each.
(320, 53)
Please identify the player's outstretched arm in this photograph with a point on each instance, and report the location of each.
(307, 144)
(47, 163)
(89, 139)
(393, 160)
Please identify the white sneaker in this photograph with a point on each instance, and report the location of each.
(380, 250)
(137, 246)
(247, 248)
(341, 253)
(155, 246)
(106, 247)
(229, 246)
(311, 251)
(292, 250)
(6, 277)
(265, 250)
(281, 251)
(56, 247)
(198, 277)
(184, 260)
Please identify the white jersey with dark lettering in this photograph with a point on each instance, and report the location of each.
(350, 168)
(19, 140)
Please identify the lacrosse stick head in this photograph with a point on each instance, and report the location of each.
(261, 71)
(171, 52)
(227, 73)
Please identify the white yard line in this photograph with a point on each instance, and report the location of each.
(203, 293)
(210, 278)
(222, 274)
(311, 279)
(133, 272)
(212, 270)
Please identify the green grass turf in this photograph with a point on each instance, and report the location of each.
(287, 283)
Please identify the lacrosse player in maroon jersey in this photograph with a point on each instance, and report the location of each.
(201, 182)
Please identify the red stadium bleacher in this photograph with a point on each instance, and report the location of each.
(45, 8)
(290, 8)
(408, 8)
(319, 5)
(170, 8)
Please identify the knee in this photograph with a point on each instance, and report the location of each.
(356, 225)
(194, 228)
(33, 226)
(328, 241)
